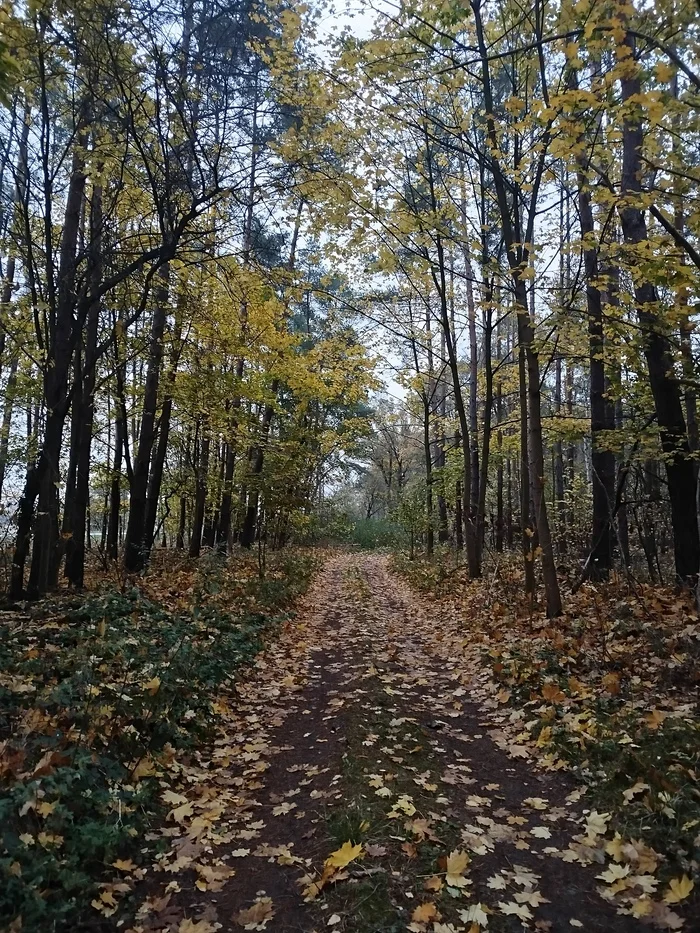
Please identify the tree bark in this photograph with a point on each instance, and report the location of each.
(602, 411)
(665, 388)
(84, 400)
(135, 545)
(200, 501)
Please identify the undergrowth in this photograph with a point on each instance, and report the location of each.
(96, 700)
(611, 689)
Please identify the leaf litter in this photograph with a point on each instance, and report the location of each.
(387, 764)
(420, 792)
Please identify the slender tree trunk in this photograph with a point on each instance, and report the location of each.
(602, 412)
(427, 452)
(10, 387)
(473, 396)
(135, 544)
(488, 407)
(559, 455)
(440, 281)
(518, 251)
(200, 501)
(256, 463)
(45, 477)
(181, 525)
(440, 460)
(570, 452)
(84, 399)
(526, 530)
(155, 479)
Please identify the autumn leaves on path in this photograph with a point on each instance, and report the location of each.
(366, 781)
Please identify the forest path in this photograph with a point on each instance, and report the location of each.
(367, 723)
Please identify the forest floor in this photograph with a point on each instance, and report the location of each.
(380, 769)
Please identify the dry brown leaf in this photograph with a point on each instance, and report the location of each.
(258, 916)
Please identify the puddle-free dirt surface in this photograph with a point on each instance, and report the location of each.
(369, 729)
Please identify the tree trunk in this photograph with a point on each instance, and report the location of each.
(518, 251)
(428, 477)
(10, 386)
(84, 399)
(602, 412)
(135, 546)
(665, 388)
(200, 501)
(45, 477)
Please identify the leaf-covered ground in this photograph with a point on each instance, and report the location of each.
(398, 762)
(105, 702)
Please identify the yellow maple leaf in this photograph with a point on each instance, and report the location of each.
(144, 768)
(678, 889)
(457, 862)
(153, 686)
(654, 719)
(552, 693)
(180, 814)
(611, 683)
(425, 913)
(597, 823)
(664, 72)
(403, 805)
(343, 856)
(195, 926)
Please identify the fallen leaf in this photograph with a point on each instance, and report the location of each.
(258, 916)
(457, 863)
(515, 910)
(196, 926)
(343, 856)
(375, 851)
(425, 913)
(678, 890)
(475, 914)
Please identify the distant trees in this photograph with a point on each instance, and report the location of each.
(511, 194)
(520, 173)
(146, 298)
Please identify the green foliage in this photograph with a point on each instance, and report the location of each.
(433, 576)
(369, 533)
(94, 704)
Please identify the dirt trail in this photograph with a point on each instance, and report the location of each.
(368, 723)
